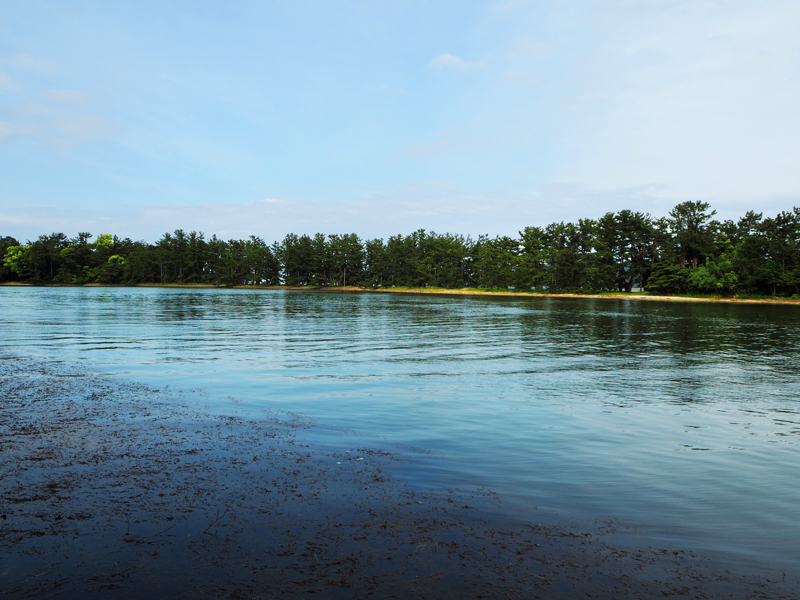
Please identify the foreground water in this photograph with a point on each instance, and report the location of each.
(677, 421)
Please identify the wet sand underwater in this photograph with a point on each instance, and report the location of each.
(109, 488)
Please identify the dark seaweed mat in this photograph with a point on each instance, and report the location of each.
(113, 489)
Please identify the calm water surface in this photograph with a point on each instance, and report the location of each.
(680, 420)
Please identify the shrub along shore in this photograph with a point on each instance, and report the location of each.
(687, 252)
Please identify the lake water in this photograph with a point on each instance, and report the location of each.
(679, 421)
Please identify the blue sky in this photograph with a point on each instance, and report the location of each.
(265, 118)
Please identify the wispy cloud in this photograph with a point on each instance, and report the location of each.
(518, 77)
(425, 149)
(385, 88)
(25, 62)
(78, 128)
(509, 5)
(69, 97)
(6, 82)
(54, 119)
(11, 130)
(529, 48)
(639, 8)
(450, 61)
(435, 205)
(11, 219)
(62, 132)
(31, 109)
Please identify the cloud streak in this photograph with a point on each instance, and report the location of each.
(450, 61)
(67, 97)
(425, 149)
(385, 88)
(528, 48)
(7, 84)
(53, 121)
(25, 62)
(64, 131)
(434, 206)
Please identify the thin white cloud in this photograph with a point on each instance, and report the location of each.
(385, 88)
(52, 120)
(518, 77)
(697, 98)
(434, 206)
(425, 149)
(450, 61)
(12, 130)
(6, 82)
(68, 97)
(25, 62)
(529, 48)
(63, 132)
(11, 219)
(82, 127)
(51, 102)
(638, 8)
(510, 5)
(32, 109)
(266, 201)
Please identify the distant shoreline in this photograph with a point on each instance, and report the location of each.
(434, 291)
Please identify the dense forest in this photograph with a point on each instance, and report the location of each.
(686, 252)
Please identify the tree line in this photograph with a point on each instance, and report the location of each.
(687, 251)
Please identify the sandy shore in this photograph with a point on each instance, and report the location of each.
(109, 485)
(473, 292)
(457, 292)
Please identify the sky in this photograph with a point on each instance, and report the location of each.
(263, 118)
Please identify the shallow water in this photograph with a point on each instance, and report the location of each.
(678, 420)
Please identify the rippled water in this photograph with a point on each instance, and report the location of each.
(680, 420)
